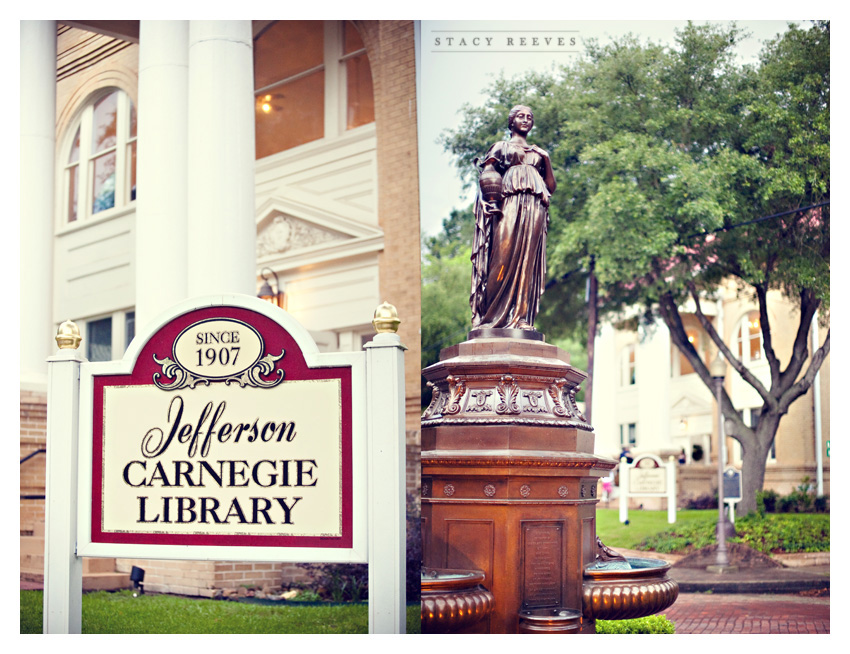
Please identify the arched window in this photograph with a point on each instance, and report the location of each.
(312, 80)
(749, 338)
(100, 168)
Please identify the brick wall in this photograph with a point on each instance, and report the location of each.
(33, 437)
(390, 47)
(214, 578)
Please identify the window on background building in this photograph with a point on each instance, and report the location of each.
(628, 376)
(301, 73)
(100, 169)
(99, 339)
(359, 100)
(628, 434)
(129, 328)
(681, 365)
(749, 338)
(107, 338)
(685, 367)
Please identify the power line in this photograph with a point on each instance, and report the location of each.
(758, 220)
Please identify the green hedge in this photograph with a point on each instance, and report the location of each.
(652, 624)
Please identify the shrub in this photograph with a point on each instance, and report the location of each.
(784, 533)
(768, 533)
(339, 582)
(766, 501)
(652, 624)
(702, 502)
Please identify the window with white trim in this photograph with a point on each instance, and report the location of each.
(106, 338)
(748, 338)
(312, 80)
(100, 166)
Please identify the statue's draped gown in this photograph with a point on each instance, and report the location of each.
(509, 249)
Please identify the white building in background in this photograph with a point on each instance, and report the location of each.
(647, 397)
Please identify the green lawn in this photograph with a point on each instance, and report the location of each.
(642, 524)
(121, 613)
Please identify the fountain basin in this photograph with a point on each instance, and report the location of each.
(610, 592)
(453, 600)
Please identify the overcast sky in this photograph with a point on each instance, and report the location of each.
(459, 59)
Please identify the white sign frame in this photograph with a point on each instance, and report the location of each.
(357, 553)
(625, 481)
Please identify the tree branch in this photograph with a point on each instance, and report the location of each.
(739, 367)
(803, 384)
(767, 335)
(670, 314)
(800, 350)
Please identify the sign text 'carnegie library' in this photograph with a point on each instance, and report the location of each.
(223, 435)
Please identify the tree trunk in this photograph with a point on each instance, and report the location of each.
(755, 451)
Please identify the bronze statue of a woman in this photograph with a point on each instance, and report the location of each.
(511, 222)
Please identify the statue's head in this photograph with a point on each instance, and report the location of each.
(515, 111)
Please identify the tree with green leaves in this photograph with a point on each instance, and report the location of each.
(679, 170)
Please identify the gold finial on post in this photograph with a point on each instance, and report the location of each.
(386, 319)
(68, 337)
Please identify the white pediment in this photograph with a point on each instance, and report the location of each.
(283, 233)
(690, 405)
(292, 233)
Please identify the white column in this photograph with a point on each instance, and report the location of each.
(652, 357)
(222, 231)
(606, 381)
(38, 148)
(817, 411)
(161, 214)
(63, 569)
(624, 490)
(387, 523)
(672, 495)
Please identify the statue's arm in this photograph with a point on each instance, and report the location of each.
(548, 173)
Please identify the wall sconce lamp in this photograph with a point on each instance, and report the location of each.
(271, 294)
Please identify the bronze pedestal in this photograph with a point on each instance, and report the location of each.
(509, 477)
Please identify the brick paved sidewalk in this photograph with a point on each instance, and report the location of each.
(704, 613)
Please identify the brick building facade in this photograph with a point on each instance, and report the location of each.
(340, 241)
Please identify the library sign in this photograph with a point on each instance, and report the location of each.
(222, 434)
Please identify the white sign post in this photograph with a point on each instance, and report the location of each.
(387, 520)
(63, 569)
(223, 434)
(648, 477)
